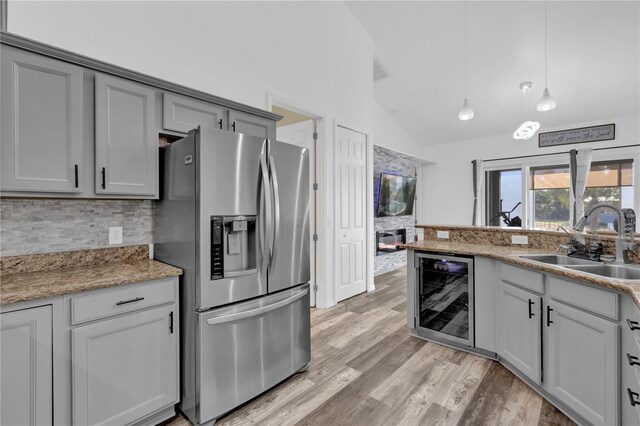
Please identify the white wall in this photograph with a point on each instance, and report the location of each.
(447, 189)
(389, 134)
(314, 54)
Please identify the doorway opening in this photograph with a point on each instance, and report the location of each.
(302, 128)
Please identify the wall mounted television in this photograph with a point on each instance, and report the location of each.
(396, 195)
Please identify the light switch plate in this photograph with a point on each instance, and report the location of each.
(115, 235)
(519, 239)
(443, 234)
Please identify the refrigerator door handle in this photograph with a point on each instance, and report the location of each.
(276, 210)
(264, 233)
(258, 311)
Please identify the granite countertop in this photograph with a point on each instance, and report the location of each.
(41, 281)
(510, 254)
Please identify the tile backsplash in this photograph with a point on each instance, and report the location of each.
(30, 226)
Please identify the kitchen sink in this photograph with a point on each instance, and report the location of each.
(557, 259)
(621, 272)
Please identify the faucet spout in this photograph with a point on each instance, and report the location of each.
(621, 244)
(579, 226)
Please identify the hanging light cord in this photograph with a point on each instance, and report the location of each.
(545, 43)
(465, 49)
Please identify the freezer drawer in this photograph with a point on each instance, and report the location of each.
(246, 348)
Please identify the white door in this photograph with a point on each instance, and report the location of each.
(301, 134)
(351, 220)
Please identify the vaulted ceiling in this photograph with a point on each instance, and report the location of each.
(593, 55)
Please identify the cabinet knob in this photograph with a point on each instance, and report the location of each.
(549, 322)
(75, 173)
(633, 325)
(233, 126)
(104, 180)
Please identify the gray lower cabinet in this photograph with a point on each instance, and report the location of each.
(26, 347)
(241, 122)
(124, 368)
(126, 138)
(181, 114)
(630, 362)
(41, 125)
(581, 362)
(518, 327)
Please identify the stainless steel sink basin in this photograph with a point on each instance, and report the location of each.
(621, 272)
(556, 259)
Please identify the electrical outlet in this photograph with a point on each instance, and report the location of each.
(115, 235)
(443, 234)
(519, 239)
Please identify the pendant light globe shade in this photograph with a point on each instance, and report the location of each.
(546, 103)
(466, 113)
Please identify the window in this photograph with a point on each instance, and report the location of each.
(549, 197)
(545, 191)
(504, 194)
(609, 182)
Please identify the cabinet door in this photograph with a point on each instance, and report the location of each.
(182, 114)
(125, 368)
(241, 122)
(126, 138)
(41, 123)
(581, 363)
(518, 330)
(26, 366)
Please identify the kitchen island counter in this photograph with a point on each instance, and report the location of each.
(512, 255)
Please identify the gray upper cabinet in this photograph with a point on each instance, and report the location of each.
(241, 122)
(581, 362)
(41, 102)
(518, 329)
(27, 367)
(181, 114)
(126, 138)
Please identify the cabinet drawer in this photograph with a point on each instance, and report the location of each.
(597, 301)
(521, 277)
(114, 302)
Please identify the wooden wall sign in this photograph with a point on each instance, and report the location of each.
(605, 132)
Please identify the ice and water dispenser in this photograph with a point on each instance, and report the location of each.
(233, 246)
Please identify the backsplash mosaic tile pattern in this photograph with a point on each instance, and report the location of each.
(30, 226)
(388, 161)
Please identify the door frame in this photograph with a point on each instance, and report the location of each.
(319, 298)
(370, 286)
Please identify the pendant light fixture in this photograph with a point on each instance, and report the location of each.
(546, 103)
(529, 127)
(466, 113)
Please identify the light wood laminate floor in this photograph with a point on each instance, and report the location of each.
(367, 370)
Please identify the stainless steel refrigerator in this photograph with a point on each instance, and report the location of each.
(234, 215)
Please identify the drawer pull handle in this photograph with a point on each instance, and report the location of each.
(124, 302)
(531, 314)
(633, 325)
(634, 397)
(549, 322)
(633, 360)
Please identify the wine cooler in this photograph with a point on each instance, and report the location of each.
(444, 298)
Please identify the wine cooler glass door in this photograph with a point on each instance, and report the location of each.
(445, 298)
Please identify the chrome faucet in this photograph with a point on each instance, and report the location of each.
(622, 245)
